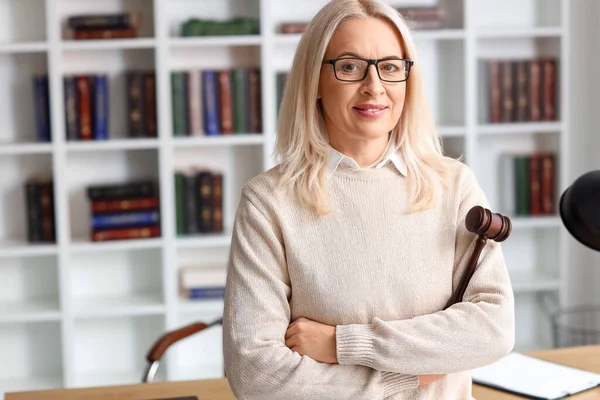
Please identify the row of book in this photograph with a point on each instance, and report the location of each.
(104, 26)
(520, 90)
(202, 282)
(211, 27)
(198, 202)
(39, 201)
(124, 211)
(528, 183)
(216, 102)
(423, 17)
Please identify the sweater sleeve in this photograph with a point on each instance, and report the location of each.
(473, 333)
(258, 364)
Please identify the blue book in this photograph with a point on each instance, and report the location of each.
(100, 109)
(206, 293)
(125, 219)
(42, 107)
(210, 101)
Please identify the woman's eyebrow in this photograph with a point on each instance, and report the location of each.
(351, 54)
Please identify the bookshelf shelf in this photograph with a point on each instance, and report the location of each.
(21, 249)
(210, 307)
(113, 144)
(112, 44)
(31, 47)
(26, 148)
(30, 311)
(219, 140)
(86, 246)
(204, 241)
(109, 301)
(519, 32)
(118, 306)
(535, 222)
(212, 41)
(520, 128)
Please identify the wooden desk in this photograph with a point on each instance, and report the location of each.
(586, 357)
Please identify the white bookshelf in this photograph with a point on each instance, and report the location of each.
(101, 305)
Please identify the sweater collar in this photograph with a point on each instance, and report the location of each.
(391, 154)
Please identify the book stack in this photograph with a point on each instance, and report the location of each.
(86, 107)
(290, 28)
(520, 90)
(41, 107)
(39, 198)
(209, 27)
(202, 282)
(104, 26)
(528, 183)
(198, 202)
(141, 104)
(427, 17)
(216, 102)
(124, 211)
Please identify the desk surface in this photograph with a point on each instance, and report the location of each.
(586, 357)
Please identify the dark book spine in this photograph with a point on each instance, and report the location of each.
(535, 185)
(210, 102)
(107, 206)
(125, 233)
(135, 102)
(535, 89)
(85, 107)
(71, 108)
(191, 204)
(508, 106)
(521, 95)
(178, 103)
(125, 219)
(180, 203)
(100, 107)
(150, 104)
(34, 220)
(104, 21)
(217, 202)
(549, 89)
(127, 191)
(204, 199)
(185, 99)
(42, 107)
(254, 105)
(85, 34)
(206, 293)
(225, 100)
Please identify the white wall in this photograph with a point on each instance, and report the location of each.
(584, 287)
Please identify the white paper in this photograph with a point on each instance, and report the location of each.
(530, 376)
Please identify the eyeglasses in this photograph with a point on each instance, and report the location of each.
(354, 69)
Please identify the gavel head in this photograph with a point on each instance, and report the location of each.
(483, 222)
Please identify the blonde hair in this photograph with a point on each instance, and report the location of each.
(302, 144)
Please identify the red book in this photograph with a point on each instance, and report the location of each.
(226, 100)
(90, 34)
(125, 233)
(85, 108)
(124, 205)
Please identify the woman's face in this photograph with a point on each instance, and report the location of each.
(370, 108)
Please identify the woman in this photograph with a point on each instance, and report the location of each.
(344, 255)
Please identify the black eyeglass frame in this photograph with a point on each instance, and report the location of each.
(370, 61)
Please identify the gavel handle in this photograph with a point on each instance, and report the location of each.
(466, 278)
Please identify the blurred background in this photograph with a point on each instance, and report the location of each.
(129, 127)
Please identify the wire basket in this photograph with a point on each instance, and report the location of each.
(577, 326)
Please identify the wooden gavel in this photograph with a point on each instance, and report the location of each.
(487, 225)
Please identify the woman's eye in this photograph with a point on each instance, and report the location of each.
(389, 67)
(349, 67)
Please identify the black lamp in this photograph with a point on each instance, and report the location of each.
(580, 209)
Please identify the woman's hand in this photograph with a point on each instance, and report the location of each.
(313, 339)
(427, 379)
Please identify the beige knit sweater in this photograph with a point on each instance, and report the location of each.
(380, 275)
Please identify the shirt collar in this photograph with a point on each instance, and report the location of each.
(391, 154)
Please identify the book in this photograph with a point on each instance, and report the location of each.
(534, 378)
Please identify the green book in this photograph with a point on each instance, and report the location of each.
(180, 208)
(178, 101)
(240, 99)
(523, 185)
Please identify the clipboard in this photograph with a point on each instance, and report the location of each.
(534, 378)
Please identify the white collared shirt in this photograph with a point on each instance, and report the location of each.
(391, 154)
